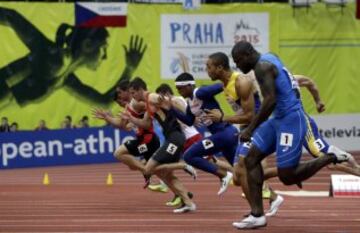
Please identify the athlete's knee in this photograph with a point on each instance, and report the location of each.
(119, 152)
(150, 167)
(287, 176)
(239, 171)
(236, 179)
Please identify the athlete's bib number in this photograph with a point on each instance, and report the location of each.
(319, 143)
(286, 139)
(142, 148)
(207, 144)
(171, 149)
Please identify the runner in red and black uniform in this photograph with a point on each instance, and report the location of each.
(172, 148)
(146, 141)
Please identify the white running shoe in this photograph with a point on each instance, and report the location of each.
(274, 206)
(225, 181)
(251, 222)
(191, 171)
(185, 209)
(341, 156)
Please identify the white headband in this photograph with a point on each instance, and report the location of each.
(184, 83)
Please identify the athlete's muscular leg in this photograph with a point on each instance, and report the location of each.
(255, 178)
(270, 172)
(150, 167)
(124, 156)
(304, 170)
(170, 167)
(346, 169)
(266, 186)
(224, 165)
(240, 178)
(178, 188)
(163, 176)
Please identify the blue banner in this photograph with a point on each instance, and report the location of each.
(60, 147)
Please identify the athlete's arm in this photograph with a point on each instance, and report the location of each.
(206, 92)
(179, 104)
(265, 74)
(312, 88)
(187, 118)
(109, 118)
(244, 90)
(144, 123)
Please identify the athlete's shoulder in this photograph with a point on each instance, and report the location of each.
(137, 106)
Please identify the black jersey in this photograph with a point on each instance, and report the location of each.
(168, 122)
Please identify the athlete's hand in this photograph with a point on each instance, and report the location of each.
(320, 106)
(198, 122)
(165, 101)
(136, 50)
(101, 114)
(125, 116)
(245, 135)
(214, 115)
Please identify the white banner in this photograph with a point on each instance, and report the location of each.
(188, 40)
(340, 130)
(345, 186)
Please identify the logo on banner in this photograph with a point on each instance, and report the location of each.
(97, 14)
(245, 32)
(180, 63)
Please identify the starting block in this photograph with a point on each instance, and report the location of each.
(345, 186)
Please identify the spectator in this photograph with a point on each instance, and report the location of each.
(85, 122)
(41, 126)
(14, 127)
(4, 127)
(67, 123)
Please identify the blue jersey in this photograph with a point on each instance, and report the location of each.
(286, 87)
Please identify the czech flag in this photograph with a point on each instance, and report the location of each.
(100, 14)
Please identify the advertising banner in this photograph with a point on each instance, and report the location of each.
(60, 147)
(188, 40)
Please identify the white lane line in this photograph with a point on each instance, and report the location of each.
(303, 193)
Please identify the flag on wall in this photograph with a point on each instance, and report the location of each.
(100, 14)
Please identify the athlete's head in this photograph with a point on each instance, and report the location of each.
(164, 89)
(216, 65)
(88, 44)
(137, 87)
(245, 56)
(122, 94)
(185, 84)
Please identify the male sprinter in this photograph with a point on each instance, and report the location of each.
(284, 132)
(243, 96)
(200, 101)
